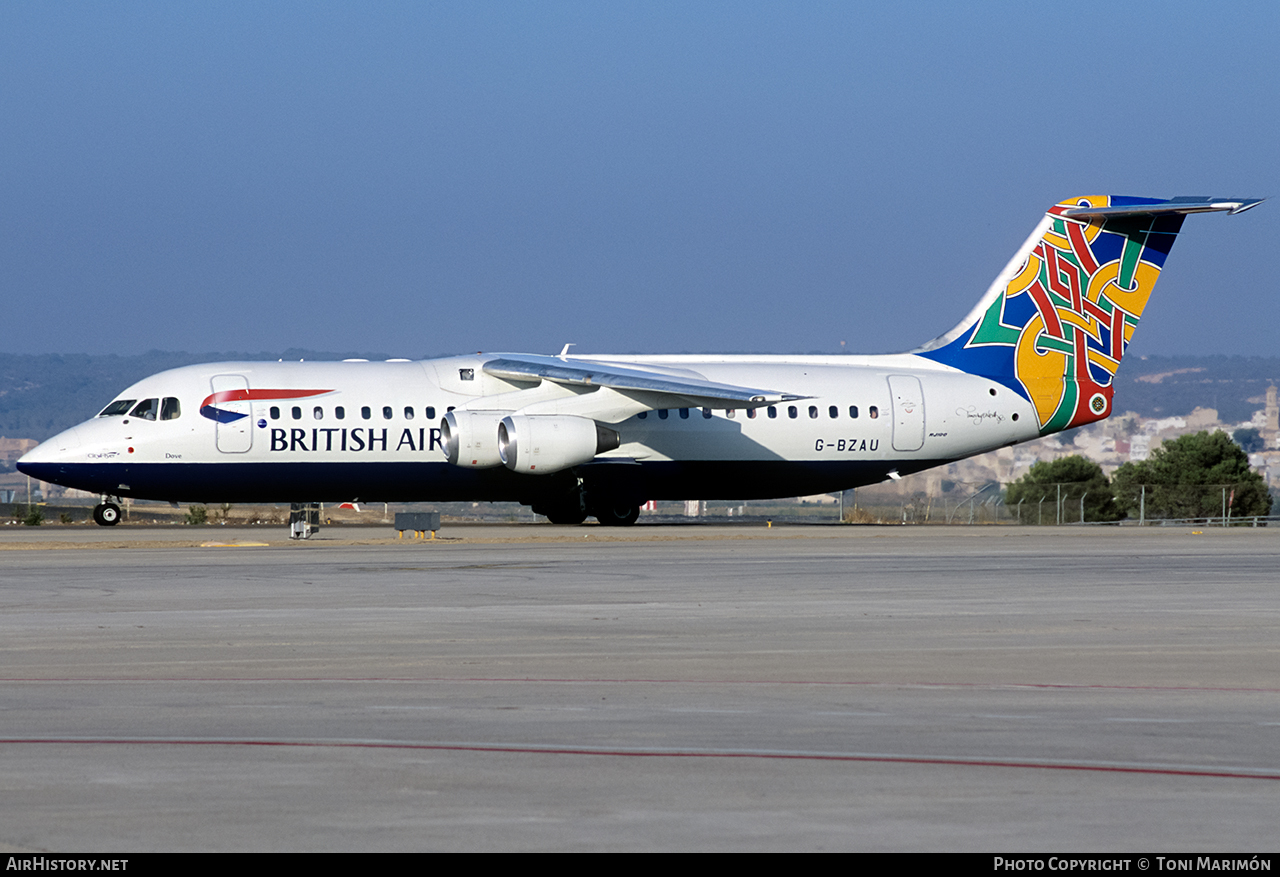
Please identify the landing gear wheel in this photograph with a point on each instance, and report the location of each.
(617, 514)
(106, 514)
(565, 508)
(567, 516)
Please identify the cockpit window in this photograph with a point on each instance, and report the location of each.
(146, 409)
(170, 409)
(117, 408)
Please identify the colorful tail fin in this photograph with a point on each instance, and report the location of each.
(1055, 323)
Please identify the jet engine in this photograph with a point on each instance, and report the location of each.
(471, 438)
(542, 444)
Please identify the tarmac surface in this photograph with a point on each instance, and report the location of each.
(529, 687)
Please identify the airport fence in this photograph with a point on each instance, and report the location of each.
(1070, 504)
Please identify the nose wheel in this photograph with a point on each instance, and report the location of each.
(106, 514)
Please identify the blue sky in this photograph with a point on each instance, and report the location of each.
(426, 178)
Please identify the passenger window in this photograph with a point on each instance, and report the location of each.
(662, 414)
(751, 414)
(792, 412)
(387, 412)
(366, 412)
(833, 412)
(408, 413)
(813, 412)
(275, 412)
(773, 412)
(873, 412)
(296, 412)
(853, 411)
(340, 413)
(146, 409)
(170, 409)
(431, 412)
(118, 408)
(731, 413)
(642, 415)
(684, 413)
(706, 413)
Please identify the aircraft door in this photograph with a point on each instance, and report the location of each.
(908, 412)
(233, 413)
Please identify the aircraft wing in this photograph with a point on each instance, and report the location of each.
(683, 391)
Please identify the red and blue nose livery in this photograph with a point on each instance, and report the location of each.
(209, 409)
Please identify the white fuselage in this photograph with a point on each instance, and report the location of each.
(371, 430)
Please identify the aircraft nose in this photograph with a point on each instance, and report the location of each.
(54, 450)
(73, 458)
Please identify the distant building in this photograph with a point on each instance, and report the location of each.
(1271, 419)
(12, 449)
(1202, 418)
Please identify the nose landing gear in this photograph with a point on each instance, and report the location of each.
(106, 513)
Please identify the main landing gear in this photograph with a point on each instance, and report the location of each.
(566, 515)
(106, 513)
(567, 508)
(574, 506)
(616, 514)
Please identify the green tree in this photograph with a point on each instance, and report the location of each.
(1187, 477)
(1249, 439)
(1078, 477)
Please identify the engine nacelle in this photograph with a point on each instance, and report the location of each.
(470, 438)
(533, 444)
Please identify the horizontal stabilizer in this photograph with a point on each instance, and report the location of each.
(1184, 204)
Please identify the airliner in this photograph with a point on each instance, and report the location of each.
(597, 436)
